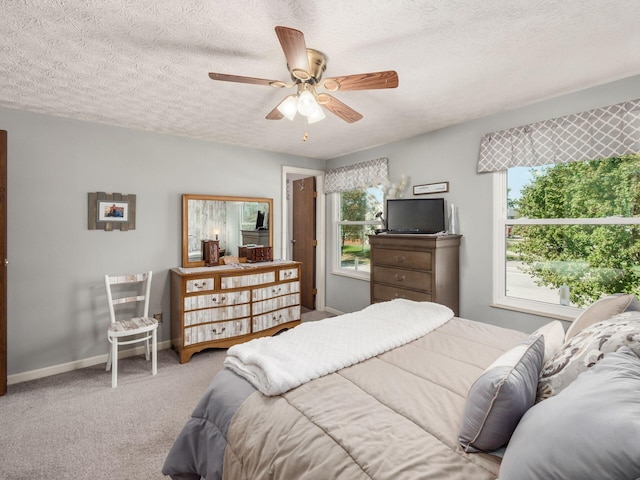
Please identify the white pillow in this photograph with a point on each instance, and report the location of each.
(553, 333)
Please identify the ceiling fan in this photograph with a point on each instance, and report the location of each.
(306, 67)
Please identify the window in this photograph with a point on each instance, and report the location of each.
(566, 234)
(356, 219)
(250, 213)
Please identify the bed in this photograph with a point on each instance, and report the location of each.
(438, 406)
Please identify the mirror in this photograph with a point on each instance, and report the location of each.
(233, 221)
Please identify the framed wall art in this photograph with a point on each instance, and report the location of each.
(427, 188)
(112, 211)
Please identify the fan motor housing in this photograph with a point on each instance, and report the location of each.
(317, 66)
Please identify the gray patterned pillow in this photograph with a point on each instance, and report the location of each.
(586, 348)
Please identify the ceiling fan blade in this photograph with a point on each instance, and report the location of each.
(295, 50)
(252, 80)
(274, 114)
(338, 108)
(362, 81)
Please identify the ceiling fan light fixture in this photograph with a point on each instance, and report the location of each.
(306, 67)
(289, 107)
(307, 103)
(316, 115)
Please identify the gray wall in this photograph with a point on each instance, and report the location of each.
(56, 305)
(451, 155)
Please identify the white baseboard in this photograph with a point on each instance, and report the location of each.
(333, 310)
(85, 362)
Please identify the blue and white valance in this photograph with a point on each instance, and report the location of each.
(600, 133)
(359, 175)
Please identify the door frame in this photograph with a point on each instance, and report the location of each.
(321, 249)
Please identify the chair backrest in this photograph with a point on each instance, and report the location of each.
(144, 279)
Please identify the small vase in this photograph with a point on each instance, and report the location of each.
(454, 228)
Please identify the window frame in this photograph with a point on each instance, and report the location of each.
(336, 268)
(500, 222)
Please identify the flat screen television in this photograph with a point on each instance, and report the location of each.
(260, 221)
(415, 215)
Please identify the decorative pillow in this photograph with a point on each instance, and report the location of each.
(603, 309)
(586, 348)
(498, 399)
(634, 305)
(553, 338)
(589, 431)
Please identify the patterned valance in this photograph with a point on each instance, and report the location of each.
(359, 175)
(601, 133)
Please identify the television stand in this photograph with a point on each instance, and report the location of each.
(255, 237)
(415, 267)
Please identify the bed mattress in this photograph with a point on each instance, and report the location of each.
(394, 416)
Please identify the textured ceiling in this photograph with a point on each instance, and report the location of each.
(143, 64)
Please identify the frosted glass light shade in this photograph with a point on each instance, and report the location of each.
(306, 103)
(316, 115)
(289, 107)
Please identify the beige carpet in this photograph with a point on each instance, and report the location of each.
(75, 426)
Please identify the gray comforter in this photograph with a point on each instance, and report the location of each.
(395, 416)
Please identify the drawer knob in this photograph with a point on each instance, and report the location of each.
(215, 332)
(399, 259)
(276, 290)
(399, 278)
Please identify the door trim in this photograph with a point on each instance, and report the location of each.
(320, 227)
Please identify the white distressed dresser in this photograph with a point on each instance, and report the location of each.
(228, 304)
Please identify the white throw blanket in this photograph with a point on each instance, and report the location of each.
(277, 364)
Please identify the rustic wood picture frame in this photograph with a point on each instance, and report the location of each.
(100, 219)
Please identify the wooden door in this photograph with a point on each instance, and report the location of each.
(304, 237)
(3, 259)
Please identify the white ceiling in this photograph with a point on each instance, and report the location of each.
(143, 64)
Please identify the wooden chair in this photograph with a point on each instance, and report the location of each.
(130, 330)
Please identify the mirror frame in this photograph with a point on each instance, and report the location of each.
(185, 220)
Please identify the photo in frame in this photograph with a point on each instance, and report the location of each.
(428, 188)
(111, 211)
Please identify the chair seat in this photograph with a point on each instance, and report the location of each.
(132, 326)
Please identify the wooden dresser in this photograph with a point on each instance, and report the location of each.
(224, 305)
(416, 267)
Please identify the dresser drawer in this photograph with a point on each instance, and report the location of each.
(209, 300)
(288, 274)
(195, 317)
(216, 331)
(403, 278)
(275, 291)
(239, 281)
(276, 303)
(382, 293)
(268, 320)
(199, 285)
(403, 258)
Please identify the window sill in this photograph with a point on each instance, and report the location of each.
(557, 312)
(364, 276)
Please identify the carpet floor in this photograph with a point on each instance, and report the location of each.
(75, 426)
